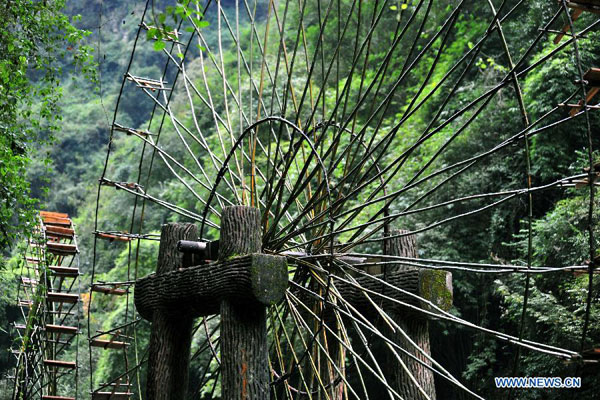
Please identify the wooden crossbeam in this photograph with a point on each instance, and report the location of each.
(130, 131)
(57, 398)
(199, 291)
(432, 285)
(147, 83)
(128, 185)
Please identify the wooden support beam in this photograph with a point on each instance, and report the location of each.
(244, 361)
(432, 285)
(171, 337)
(57, 398)
(240, 285)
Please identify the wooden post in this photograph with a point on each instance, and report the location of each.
(240, 285)
(244, 363)
(171, 336)
(416, 328)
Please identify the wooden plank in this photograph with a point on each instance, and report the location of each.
(71, 330)
(62, 297)
(108, 344)
(108, 290)
(64, 271)
(29, 281)
(112, 237)
(592, 75)
(585, 5)
(59, 231)
(111, 395)
(60, 364)
(53, 214)
(61, 248)
(56, 221)
(591, 93)
(57, 398)
(567, 27)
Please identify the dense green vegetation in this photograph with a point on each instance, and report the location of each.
(66, 127)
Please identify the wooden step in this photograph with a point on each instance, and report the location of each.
(583, 271)
(62, 297)
(61, 249)
(108, 344)
(61, 312)
(25, 303)
(29, 282)
(57, 398)
(32, 260)
(591, 354)
(60, 364)
(56, 221)
(108, 290)
(53, 214)
(59, 231)
(130, 131)
(592, 76)
(64, 271)
(69, 330)
(111, 395)
(111, 237)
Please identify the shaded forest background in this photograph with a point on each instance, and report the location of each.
(557, 301)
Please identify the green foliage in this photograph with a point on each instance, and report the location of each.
(163, 30)
(35, 39)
